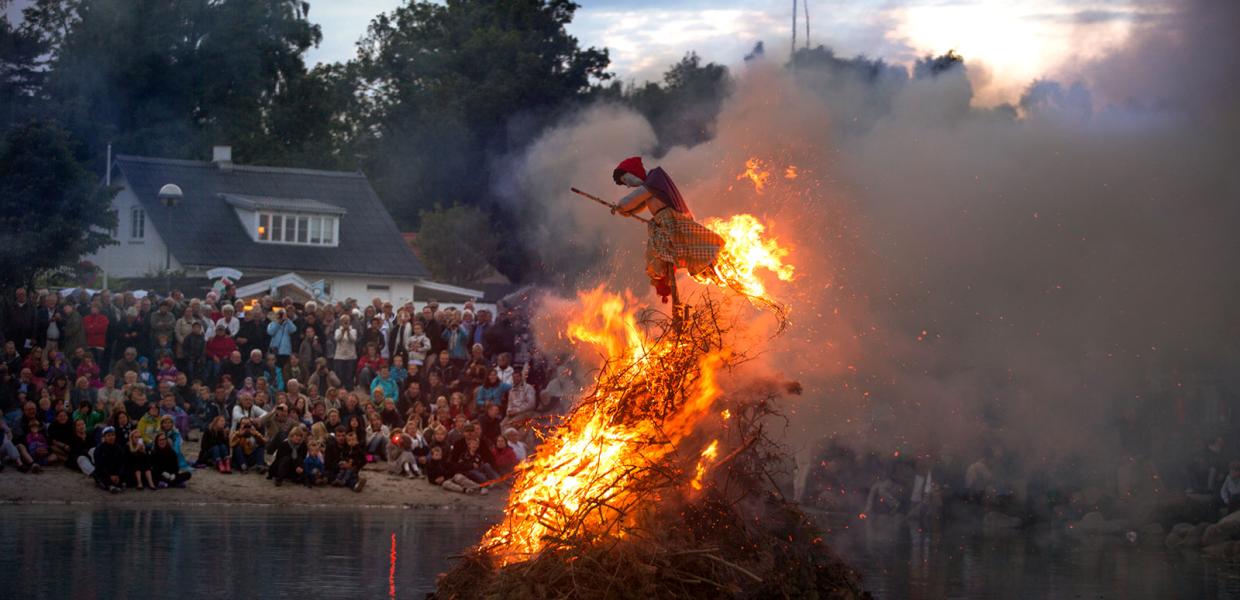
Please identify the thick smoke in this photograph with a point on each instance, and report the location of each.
(1024, 277)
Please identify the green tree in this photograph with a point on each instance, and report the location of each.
(683, 110)
(53, 210)
(171, 78)
(20, 72)
(450, 86)
(457, 243)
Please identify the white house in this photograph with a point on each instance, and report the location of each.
(270, 223)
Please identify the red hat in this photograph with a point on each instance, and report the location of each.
(631, 165)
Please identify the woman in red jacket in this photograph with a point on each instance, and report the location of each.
(96, 326)
(219, 348)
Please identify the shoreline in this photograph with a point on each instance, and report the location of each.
(58, 485)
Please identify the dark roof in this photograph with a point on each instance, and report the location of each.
(207, 232)
(289, 204)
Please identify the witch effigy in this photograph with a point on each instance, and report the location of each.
(676, 240)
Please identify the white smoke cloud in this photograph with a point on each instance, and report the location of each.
(967, 277)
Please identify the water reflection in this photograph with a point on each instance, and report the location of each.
(231, 552)
(250, 552)
(904, 562)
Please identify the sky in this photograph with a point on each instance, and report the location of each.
(1007, 43)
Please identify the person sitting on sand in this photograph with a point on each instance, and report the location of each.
(247, 447)
(441, 473)
(148, 425)
(168, 428)
(166, 463)
(377, 434)
(288, 463)
(214, 449)
(109, 462)
(505, 459)
(138, 462)
(473, 464)
(349, 467)
(313, 467)
(408, 450)
(38, 446)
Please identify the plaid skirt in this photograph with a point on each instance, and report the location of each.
(677, 239)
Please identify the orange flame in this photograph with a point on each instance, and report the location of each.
(745, 250)
(790, 172)
(708, 456)
(755, 172)
(587, 474)
(588, 478)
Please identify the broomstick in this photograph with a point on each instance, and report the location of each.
(613, 207)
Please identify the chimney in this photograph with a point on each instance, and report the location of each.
(222, 157)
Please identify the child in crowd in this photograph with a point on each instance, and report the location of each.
(37, 445)
(168, 408)
(148, 425)
(398, 372)
(167, 371)
(90, 371)
(144, 376)
(314, 465)
(418, 345)
(408, 451)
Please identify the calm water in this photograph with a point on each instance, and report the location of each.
(234, 552)
(248, 552)
(903, 563)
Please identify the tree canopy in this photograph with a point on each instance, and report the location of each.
(456, 243)
(172, 78)
(52, 209)
(446, 84)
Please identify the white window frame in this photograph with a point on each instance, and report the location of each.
(295, 228)
(137, 223)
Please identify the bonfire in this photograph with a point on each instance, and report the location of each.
(659, 483)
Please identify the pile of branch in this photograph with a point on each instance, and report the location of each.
(735, 538)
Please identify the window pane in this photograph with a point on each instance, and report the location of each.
(302, 229)
(316, 230)
(329, 230)
(264, 222)
(277, 228)
(137, 225)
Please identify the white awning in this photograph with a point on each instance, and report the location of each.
(288, 284)
(444, 288)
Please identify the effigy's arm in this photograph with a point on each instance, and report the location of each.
(634, 201)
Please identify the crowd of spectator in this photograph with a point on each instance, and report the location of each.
(112, 385)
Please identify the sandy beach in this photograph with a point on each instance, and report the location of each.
(58, 484)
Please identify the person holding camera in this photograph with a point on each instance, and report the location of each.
(345, 357)
(280, 331)
(247, 445)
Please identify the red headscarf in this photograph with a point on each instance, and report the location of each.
(631, 165)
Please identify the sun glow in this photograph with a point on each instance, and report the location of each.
(1012, 43)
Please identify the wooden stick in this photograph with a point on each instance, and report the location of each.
(613, 207)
